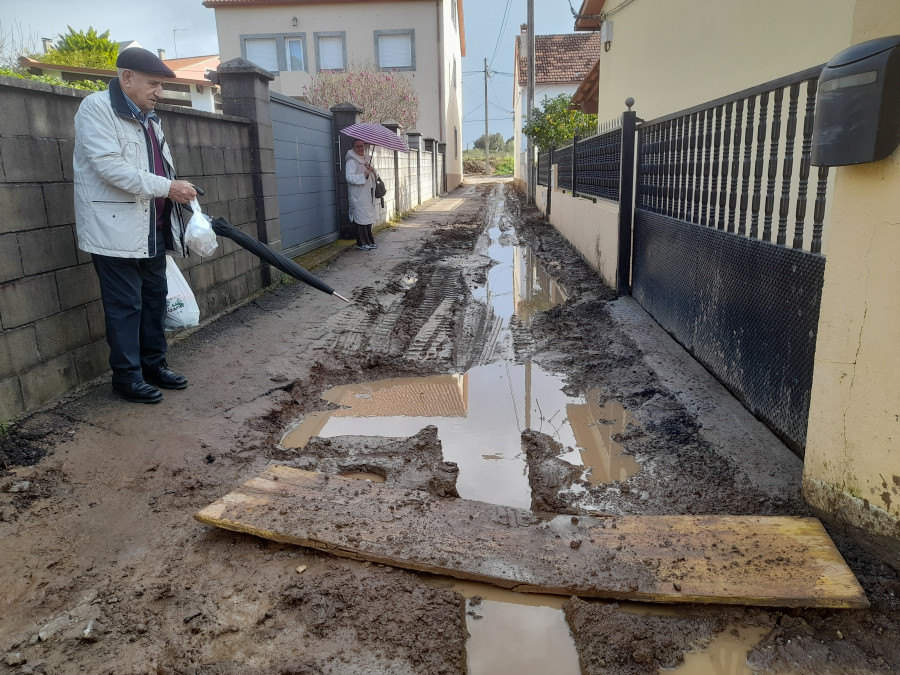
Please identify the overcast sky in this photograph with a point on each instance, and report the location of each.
(187, 28)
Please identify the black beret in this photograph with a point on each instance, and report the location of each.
(135, 58)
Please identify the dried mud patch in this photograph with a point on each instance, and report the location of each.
(408, 626)
(621, 643)
(415, 463)
(549, 477)
(26, 443)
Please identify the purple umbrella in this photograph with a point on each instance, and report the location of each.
(376, 134)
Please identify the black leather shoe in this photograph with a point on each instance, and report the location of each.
(161, 376)
(138, 392)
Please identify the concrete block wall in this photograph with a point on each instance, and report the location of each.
(52, 333)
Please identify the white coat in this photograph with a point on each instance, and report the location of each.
(361, 190)
(115, 188)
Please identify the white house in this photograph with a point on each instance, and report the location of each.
(561, 62)
(423, 39)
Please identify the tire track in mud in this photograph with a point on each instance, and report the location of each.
(437, 314)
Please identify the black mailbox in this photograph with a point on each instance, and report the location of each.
(858, 105)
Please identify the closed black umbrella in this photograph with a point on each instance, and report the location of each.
(224, 229)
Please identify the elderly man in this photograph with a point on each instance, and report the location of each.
(127, 214)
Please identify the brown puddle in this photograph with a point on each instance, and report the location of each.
(371, 477)
(594, 426)
(480, 417)
(515, 633)
(521, 633)
(726, 654)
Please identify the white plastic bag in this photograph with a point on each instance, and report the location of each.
(200, 236)
(181, 306)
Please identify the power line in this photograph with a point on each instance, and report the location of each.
(502, 30)
(492, 119)
(497, 99)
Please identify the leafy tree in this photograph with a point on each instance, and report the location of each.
(554, 123)
(510, 145)
(87, 49)
(383, 96)
(497, 144)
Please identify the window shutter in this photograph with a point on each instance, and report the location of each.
(394, 51)
(263, 53)
(331, 53)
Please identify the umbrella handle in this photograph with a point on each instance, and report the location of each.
(198, 189)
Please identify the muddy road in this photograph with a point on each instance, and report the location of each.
(480, 358)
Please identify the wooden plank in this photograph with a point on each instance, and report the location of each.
(745, 560)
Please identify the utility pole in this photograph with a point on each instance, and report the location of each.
(487, 144)
(529, 102)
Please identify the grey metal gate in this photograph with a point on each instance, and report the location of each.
(304, 173)
(721, 258)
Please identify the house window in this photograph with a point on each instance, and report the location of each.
(295, 50)
(263, 52)
(331, 51)
(395, 49)
(275, 51)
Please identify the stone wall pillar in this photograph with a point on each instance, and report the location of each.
(343, 115)
(245, 93)
(414, 141)
(398, 206)
(442, 148)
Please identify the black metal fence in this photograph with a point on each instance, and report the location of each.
(723, 258)
(708, 165)
(720, 250)
(587, 166)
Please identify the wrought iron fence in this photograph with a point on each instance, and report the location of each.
(543, 168)
(587, 166)
(597, 165)
(562, 158)
(706, 165)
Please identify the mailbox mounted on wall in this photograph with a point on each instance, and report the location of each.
(858, 105)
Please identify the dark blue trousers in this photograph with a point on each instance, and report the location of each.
(134, 304)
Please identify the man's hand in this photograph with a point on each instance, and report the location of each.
(182, 192)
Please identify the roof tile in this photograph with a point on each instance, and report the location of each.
(564, 57)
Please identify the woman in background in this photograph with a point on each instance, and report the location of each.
(361, 187)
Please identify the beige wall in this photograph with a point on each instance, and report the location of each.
(852, 463)
(431, 78)
(591, 227)
(654, 56)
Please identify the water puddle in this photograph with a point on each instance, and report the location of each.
(725, 655)
(480, 416)
(515, 633)
(596, 427)
(364, 476)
